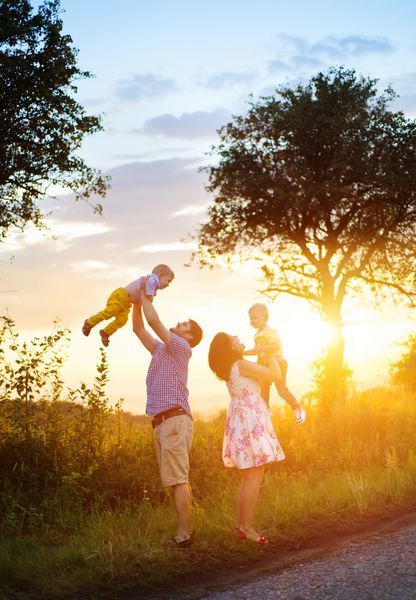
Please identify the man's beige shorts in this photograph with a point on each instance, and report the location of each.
(173, 442)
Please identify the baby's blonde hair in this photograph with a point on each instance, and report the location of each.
(261, 308)
(163, 270)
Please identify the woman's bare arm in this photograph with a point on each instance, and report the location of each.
(255, 371)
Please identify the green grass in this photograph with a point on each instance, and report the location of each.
(129, 546)
(359, 462)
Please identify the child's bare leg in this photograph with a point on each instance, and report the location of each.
(287, 395)
(282, 388)
(272, 363)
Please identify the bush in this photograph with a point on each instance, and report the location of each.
(67, 451)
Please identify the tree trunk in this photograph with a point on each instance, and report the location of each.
(333, 391)
(334, 380)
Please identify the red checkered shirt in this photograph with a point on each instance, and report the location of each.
(167, 376)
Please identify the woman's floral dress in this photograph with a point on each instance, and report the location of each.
(249, 437)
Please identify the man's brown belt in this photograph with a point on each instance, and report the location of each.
(167, 414)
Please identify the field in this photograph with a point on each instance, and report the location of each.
(81, 503)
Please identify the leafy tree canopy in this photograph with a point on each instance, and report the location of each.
(41, 124)
(319, 183)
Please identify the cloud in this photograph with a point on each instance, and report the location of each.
(352, 45)
(155, 174)
(229, 79)
(297, 52)
(279, 65)
(292, 43)
(74, 274)
(90, 265)
(101, 271)
(59, 234)
(138, 87)
(137, 212)
(140, 206)
(406, 103)
(151, 154)
(77, 229)
(403, 84)
(199, 124)
(172, 247)
(306, 62)
(190, 210)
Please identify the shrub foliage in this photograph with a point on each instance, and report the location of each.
(70, 450)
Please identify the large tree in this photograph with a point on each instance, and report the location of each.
(318, 182)
(41, 124)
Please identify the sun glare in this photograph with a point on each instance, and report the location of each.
(304, 334)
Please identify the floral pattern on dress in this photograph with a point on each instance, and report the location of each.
(249, 437)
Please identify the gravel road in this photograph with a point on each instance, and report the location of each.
(377, 567)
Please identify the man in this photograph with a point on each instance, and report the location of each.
(167, 404)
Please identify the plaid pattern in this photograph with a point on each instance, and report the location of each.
(167, 376)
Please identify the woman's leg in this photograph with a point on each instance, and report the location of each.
(240, 501)
(247, 497)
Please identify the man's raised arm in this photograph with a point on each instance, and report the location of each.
(153, 319)
(138, 327)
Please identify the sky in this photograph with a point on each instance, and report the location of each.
(167, 75)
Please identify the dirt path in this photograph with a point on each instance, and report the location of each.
(376, 566)
(374, 543)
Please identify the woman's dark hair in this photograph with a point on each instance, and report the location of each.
(222, 356)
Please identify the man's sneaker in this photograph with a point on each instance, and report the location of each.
(300, 415)
(86, 328)
(105, 338)
(184, 543)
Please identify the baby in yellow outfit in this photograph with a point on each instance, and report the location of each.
(268, 348)
(121, 299)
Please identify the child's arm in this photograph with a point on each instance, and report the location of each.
(264, 347)
(266, 374)
(251, 352)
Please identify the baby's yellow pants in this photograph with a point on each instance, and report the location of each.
(118, 306)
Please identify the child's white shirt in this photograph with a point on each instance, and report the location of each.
(133, 288)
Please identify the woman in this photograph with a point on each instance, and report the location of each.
(249, 439)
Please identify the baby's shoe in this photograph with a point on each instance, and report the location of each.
(300, 415)
(105, 338)
(86, 328)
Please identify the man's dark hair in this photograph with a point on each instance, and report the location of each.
(196, 333)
